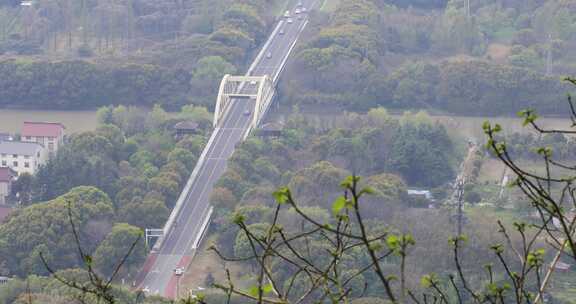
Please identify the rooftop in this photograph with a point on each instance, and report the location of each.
(6, 174)
(43, 129)
(272, 126)
(19, 148)
(417, 192)
(186, 125)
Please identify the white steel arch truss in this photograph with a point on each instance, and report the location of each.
(259, 88)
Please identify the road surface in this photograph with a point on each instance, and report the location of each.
(176, 250)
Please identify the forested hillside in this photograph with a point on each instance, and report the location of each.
(356, 54)
(494, 58)
(167, 52)
(372, 201)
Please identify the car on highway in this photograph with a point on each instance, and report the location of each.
(253, 82)
(303, 9)
(300, 17)
(297, 11)
(268, 55)
(289, 20)
(247, 113)
(299, 4)
(287, 14)
(179, 271)
(281, 32)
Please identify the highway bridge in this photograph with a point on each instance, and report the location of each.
(241, 105)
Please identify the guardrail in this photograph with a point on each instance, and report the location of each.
(263, 49)
(292, 46)
(184, 194)
(200, 163)
(203, 228)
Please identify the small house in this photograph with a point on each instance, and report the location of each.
(184, 128)
(22, 157)
(271, 129)
(48, 134)
(420, 193)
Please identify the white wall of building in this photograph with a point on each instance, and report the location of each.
(51, 144)
(24, 163)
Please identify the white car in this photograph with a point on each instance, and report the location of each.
(299, 3)
(289, 20)
(297, 11)
(269, 55)
(179, 271)
(287, 14)
(281, 32)
(252, 82)
(303, 9)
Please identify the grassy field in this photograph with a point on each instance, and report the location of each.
(75, 121)
(471, 127)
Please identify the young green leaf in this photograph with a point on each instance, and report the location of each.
(338, 205)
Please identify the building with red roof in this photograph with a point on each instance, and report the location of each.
(7, 176)
(48, 134)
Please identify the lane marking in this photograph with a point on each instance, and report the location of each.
(226, 141)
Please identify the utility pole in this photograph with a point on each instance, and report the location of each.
(549, 56)
(460, 203)
(84, 23)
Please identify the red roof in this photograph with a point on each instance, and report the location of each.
(6, 174)
(43, 129)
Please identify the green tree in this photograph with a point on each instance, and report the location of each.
(209, 71)
(114, 247)
(46, 226)
(183, 156)
(223, 198)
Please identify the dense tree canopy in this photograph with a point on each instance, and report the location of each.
(45, 228)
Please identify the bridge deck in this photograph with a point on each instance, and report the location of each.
(176, 249)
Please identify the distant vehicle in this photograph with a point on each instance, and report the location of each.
(303, 9)
(300, 17)
(246, 113)
(269, 55)
(297, 11)
(287, 14)
(179, 271)
(289, 20)
(252, 82)
(299, 3)
(281, 32)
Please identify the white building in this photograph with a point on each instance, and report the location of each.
(22, 157)
(48, 134)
